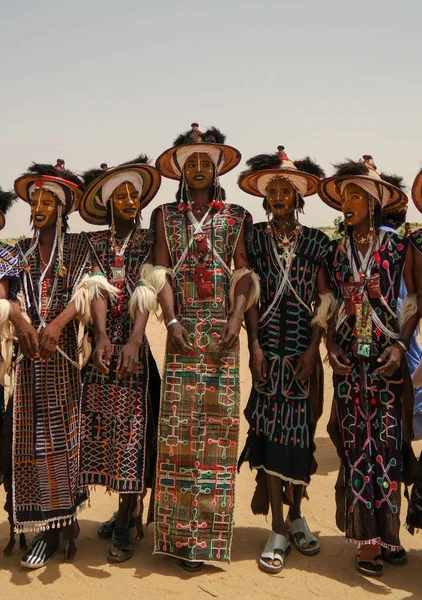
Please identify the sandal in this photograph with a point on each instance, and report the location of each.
(301, 535)
(121, 548)
(394, 557)
(370, 568)
(105, 531)
(42, 549)
(192, 566)
(276, 549)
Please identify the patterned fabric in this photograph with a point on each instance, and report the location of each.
(368, 407)
(414, 355)
(199, 412)
(46, 491)
(115, 411)
(279, 411)
(9, 268)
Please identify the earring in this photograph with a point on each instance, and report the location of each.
(371, 216)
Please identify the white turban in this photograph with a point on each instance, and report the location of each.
(374, 188)
(113, 183)
(50, 186)
(299, 183)
(181, 155)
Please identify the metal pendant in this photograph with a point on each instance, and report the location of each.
(118, 273)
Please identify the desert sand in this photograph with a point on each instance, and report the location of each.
(329, 575)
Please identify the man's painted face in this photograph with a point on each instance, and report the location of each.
(199, 171)
(43, 208)
(354, 204)
(126, 202)
(281, 196)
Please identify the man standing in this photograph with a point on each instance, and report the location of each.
(197, 238)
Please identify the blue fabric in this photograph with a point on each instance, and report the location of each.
(414, 357)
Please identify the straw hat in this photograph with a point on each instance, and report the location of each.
(387, 189)
(225, 158)
(101, 183)
(303, 174)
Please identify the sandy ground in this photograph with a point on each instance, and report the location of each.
(330, 575)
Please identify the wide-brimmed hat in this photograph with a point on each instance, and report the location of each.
(64, 184)
(212, 142)
(6, 201)
(417, 191)
(388, 190)
(101, 183)
(303, 174)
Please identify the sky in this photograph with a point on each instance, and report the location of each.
(93, 82)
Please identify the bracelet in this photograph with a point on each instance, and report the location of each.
(403, 345)
(172, 322)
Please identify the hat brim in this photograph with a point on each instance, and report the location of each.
(249, 182)
(22, 185)
(328, 191)
(165, 162)
(417, 191)
(92, 209)
(2, 220)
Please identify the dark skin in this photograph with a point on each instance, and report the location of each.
(355, 207)
(125, 205)
(44, 344)
(198, 168)
(281, 197)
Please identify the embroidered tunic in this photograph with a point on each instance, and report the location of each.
(282, 411)
(115, 412)
(367, 414)
(46, 489)
(199, 412)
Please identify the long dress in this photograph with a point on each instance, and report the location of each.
(199, 411)
(46, 489)
(367, 417)
(415, 354)
(282, 412)
(117, 422)
(9, 270)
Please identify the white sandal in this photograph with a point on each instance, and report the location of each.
(300, 526)
(276, 548)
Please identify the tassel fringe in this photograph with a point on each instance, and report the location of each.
(6, 336)
(143, 299)
(156, 277)
(254, 290)
(408, 309)
(325, 311)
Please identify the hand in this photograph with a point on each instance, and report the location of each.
(178, 339)
(337, 357)
(230, 335)
(258, 365)
(28, 339)
(127, 364)
(305, 364)
(392, 356)
(102, 354)
(49, 338)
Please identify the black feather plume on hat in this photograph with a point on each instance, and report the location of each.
(194, 136)
(90, 175)
(394, 180)
(7, 199)
(351, 167)
(141, 159)
(307, 165)
(260, 162)
(41, 169)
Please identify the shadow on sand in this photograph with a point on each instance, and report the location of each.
(336, 562)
